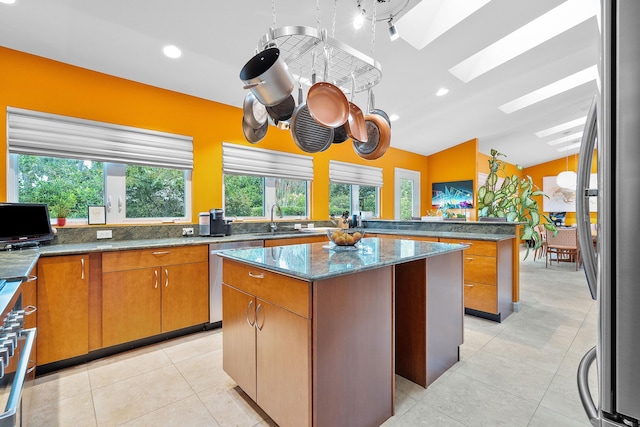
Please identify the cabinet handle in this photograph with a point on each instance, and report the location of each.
(469, 259)
(166, 275)
(119, 203)
(468, 285)
(82, 265)
(257, 276)
(246, 314)
(30, 309)
(160, 252)
(155, 272)
(32, 278)
(256, 321)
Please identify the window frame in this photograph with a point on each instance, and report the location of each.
(410, 175)
(114, 186)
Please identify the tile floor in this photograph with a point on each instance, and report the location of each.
(521, 372)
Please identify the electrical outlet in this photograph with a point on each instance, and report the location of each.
(104, 234)
(297, 226)
(187, 231)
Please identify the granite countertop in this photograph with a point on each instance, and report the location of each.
(444, 234)
(315, 261)
(17, 264)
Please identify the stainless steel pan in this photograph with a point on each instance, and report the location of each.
(254, 113)
(308, 135)
(254, 135)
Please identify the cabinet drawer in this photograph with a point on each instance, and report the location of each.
(286, 292)
(144, 258)
(479, 296)
(476, 247)
(480, 269)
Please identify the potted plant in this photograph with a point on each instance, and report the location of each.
(62, 206)
(513, 201)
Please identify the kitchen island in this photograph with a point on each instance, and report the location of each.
(315, 335)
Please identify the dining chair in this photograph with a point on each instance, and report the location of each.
(542, 249)
(564, 245)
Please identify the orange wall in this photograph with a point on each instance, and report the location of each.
(553, 168)
(457, 163)
(35, 83)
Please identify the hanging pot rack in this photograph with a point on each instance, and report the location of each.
(298, 45)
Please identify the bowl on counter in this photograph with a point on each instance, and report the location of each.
(345, 236)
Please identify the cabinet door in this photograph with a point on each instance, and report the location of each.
(130, 305)
(185, 295)
(481, 297)
(63, 307)
(239, 338)
(283, 364)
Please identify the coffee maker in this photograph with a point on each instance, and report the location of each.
(218, 225)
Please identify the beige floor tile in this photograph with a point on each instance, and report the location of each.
(562, 397)
(547, 418)
(230, 406)
(203, 371)
(136, 396)
(124, 366)
(424, 415)
(60, 385)
(198, 344)
(474, 403)
(189, 412)
(507, 375)
(73, 411)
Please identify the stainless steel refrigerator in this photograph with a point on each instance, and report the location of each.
(613, 271)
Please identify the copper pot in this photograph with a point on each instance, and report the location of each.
(326, 102)
(378, 138)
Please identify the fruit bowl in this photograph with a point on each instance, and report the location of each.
(345, 236)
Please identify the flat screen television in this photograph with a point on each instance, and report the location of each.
(24, 224)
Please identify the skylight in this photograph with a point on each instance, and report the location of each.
(556, 21)
(555, 88)
(566, 138)
(561, 127)
(569, 147)
(429, 19)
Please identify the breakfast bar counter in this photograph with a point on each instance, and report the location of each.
(315, 334)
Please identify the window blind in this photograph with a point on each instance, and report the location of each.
(243, 160)
(349, 173)
(51, 135)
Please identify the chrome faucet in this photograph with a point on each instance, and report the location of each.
(273, 225)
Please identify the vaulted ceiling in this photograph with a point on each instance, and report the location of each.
(124, 38)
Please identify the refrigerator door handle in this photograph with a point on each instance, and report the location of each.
(583, 193)
(583, 387)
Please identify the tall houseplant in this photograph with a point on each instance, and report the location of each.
(513, 200)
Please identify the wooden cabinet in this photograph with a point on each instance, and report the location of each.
(63, 307)
(487, 278)
(151, 291)
(267, 340)
(295, 240)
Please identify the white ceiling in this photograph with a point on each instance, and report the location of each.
(124, 38)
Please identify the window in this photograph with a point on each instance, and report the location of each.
(255, 179)
(71, 163)
(407, 194)
(146, 193)
(354, 188)
(352, 198)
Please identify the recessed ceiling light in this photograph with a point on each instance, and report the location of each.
(555, 88)
(172, 51)
(570, 147)
(428, 20)
(394, 117)
(566, 138)
(536, 32)
(8, 1)
(442, 91)
(564, 126)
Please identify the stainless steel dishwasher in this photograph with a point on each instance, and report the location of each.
(215, 276)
